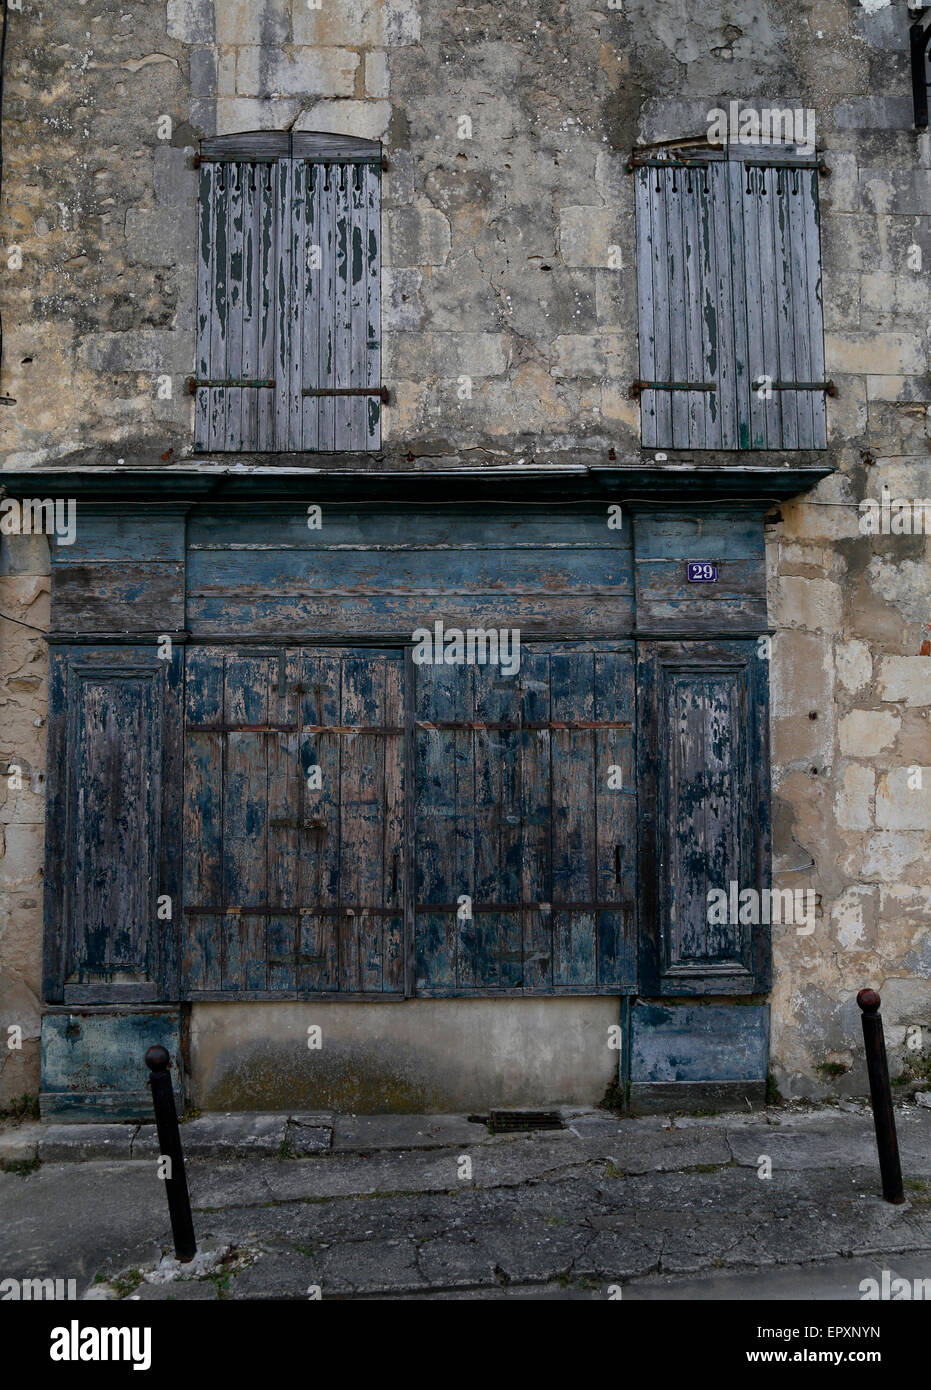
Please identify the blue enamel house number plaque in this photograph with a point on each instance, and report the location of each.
(701, 572)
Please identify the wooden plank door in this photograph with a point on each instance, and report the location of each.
(524, 824)
(111, 829)
(293, 870)
(703, 775)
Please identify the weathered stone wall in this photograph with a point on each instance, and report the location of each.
(498, 268)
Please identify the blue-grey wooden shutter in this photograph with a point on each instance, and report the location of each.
(234, 385)
(289, 309)
(513, 810)
(730, 311)
(334, 311)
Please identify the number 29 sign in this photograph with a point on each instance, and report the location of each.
(701, 572)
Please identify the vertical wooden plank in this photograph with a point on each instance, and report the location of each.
(202, 820)
(793, 212)
(284, 306)
(678, 275)
(219, 306)
(341, 174)
(251, 293)
(444, 796)
(694, 244)
(362, 823)
(535, 815)
(574, 828)
(321, 926)
(760, 205)
(788, 368)
(667, 296)
(326, 371)
(285, 798)
(496, 829)
(206, 251)
(310, 344)
(393, 828)
(809, 195)
(646, 307)
(245, 857)
(235, 299)
(358, 280)
(372, 348)
(615, 798)
(718, 309)
(296, 299)
(742, 309)
(268, 187)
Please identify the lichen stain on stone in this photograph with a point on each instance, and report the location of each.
(254, 1078)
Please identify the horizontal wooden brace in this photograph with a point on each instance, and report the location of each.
(276, 910)
(818, 164)
(528, 907)
(481, 725)
(634, 163)
(373, 160)
(200, 159)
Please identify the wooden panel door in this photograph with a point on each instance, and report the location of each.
(293, 866)
(524, 824)
(111, 831)
(703, 774)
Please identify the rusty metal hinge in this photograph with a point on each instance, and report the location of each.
(264, 384)
(638, 386)
(764, 383)
(380, 391)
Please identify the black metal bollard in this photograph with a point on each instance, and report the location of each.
(881, 1096)
(169, 1145)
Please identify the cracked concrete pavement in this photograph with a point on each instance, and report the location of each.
(385, 1206)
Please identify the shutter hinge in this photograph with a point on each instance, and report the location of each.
(638, 386)
(380, 391)
(764, 383)
(264, 384)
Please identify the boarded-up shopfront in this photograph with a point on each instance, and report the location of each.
(447, 780)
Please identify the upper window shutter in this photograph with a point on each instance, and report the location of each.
(729, 291)
(237, 244)
(289, 310)
(334, 308)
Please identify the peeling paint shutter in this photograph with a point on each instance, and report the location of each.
(335, 310)
(289, 308)
(293, 885)
(730, 313)
(514, 812)
(237, 256)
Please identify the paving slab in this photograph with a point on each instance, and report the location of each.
(70, 1220)
(82, 1142)
(216, 1136)
(362, 1133)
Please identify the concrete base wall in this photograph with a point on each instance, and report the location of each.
(422, 1056)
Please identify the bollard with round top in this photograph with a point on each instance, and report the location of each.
(158, 1060)
(881, 1096)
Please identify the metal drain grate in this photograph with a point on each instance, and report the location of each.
(515, 1121)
